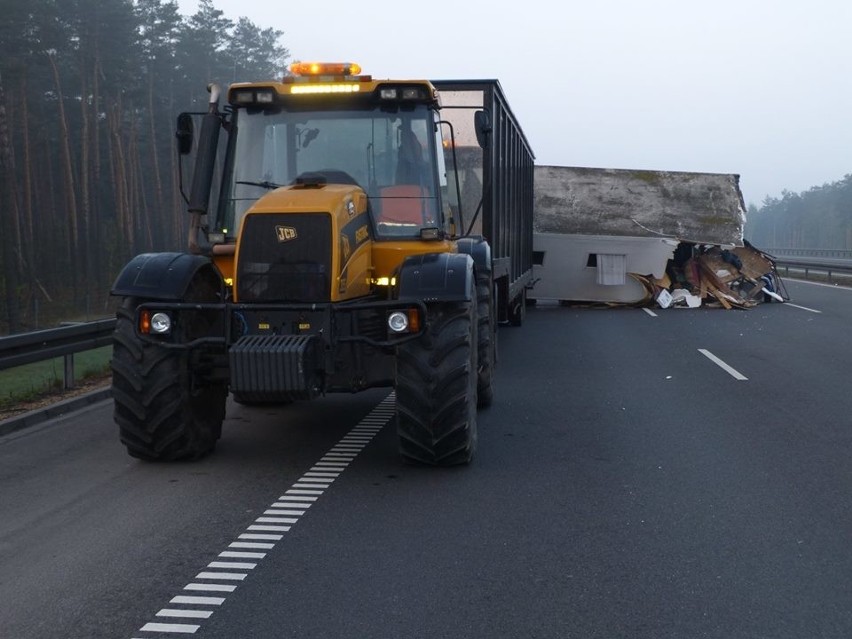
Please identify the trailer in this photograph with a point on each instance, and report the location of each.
(496, 184)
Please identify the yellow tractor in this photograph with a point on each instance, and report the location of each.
(360, 236)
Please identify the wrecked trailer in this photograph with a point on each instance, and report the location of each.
(645, 237)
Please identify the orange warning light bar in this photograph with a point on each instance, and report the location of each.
(325, 68)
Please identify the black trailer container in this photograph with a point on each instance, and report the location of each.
(496, 169)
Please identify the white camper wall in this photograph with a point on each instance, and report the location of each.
(564, 273)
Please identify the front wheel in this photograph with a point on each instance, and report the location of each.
(436, 387)
(162, 412)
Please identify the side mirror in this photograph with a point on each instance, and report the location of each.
(184, 133)
(482, 124)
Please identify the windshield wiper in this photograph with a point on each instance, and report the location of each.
(264, 185)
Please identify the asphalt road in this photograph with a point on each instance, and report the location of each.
(629, 483)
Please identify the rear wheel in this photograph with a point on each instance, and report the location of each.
(436, 387)
(163, 412)
(518, 309)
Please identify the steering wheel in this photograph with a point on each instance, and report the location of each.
(332, 176)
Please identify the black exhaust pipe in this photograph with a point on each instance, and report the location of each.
(208, 143)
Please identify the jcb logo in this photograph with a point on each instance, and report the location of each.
(285, 233)
(361, 234)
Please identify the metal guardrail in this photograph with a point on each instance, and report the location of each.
(807, 263)
(64, 341)
(843, 254)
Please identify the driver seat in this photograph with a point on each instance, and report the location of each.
(402, 204)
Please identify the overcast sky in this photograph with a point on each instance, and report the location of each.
(758, 88)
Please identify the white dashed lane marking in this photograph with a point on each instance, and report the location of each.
(804, 308)
(235, 564)
(725, 367)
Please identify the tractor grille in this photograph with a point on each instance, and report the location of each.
(285, 258)
(372, 325)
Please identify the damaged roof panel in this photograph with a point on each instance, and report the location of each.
(705, 208)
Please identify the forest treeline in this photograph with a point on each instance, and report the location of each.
(820, 217)
(89, 93)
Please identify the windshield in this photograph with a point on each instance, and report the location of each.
(388, 154)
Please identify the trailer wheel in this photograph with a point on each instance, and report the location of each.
(487, 336)
(518, 309)
(161, 412)
(436, 385)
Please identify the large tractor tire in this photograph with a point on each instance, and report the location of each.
(162, 412)
(436, 387)
(487, 337)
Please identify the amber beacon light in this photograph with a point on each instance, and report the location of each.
(325, 68)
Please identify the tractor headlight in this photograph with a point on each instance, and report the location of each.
(161, 323)
(252, 96)
(398, 322)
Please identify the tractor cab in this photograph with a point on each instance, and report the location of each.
(318, 128)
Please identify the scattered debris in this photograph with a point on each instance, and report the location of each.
(740, 277)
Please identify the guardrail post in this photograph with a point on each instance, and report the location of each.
(68, 381)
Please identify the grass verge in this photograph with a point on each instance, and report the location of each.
(40, 379)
